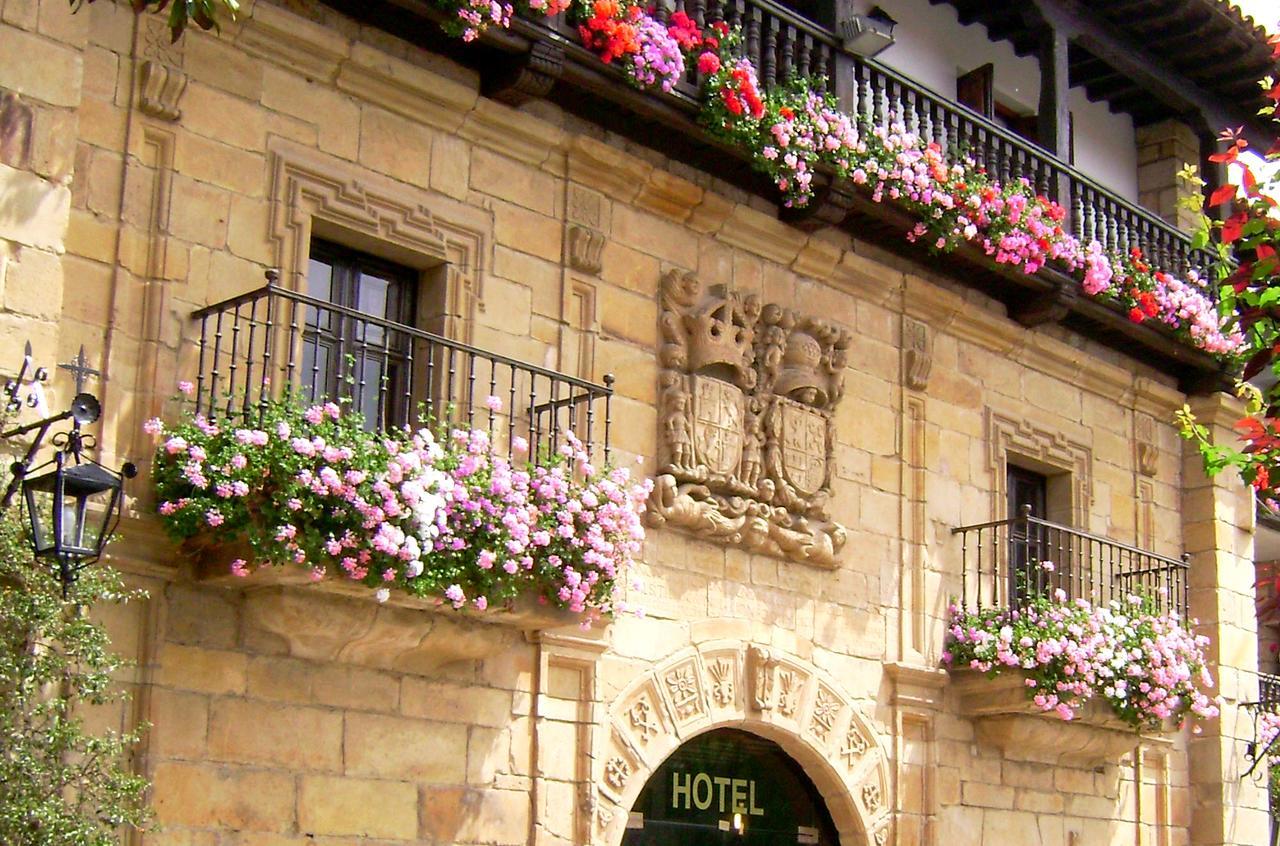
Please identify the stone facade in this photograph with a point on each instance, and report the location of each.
(141, 180)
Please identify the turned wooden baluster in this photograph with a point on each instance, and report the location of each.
(825, 67)
(1079, 225)
(734, 18)
(928, 130)
(868, 96)
(769, 54)
(787, 64)
(753, 38)
(804, 46)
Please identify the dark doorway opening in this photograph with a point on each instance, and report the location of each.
(730, 788)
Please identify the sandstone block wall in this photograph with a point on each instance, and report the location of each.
(126, 204)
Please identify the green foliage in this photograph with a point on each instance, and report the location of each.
(203, 13)
(1246, 242)
(60, 784)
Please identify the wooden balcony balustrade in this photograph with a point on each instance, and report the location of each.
(544, 58)
(782, 44)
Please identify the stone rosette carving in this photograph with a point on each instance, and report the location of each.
(747, 403)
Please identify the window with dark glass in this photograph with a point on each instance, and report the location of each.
(356, 349)
(1027, 492)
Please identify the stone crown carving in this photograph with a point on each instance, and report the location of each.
(746, 410)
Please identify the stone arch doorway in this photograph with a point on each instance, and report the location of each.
(769, 692)
(729, 787)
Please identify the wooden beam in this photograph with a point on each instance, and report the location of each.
(1054, 118)
(1211, 65)
(1176, 16)
(1112, 86)
(1152, 73)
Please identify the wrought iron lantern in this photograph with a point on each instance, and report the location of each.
(73, 502)
(868, 35)
(73, 507)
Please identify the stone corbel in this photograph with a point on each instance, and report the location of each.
(917, 354)
(829, 206)
(160, 88)
(525, 77)
(917, 687)
(1147, 448)
(1005, 717)
(1049, 307)
(586, 246)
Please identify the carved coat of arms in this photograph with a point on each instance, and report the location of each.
(747, 413)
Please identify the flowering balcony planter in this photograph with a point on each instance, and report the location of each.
(1004, 717)
(543, 52)
(438, 519)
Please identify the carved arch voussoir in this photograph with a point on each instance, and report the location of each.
(732, 683)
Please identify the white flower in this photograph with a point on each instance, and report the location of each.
(382, 595)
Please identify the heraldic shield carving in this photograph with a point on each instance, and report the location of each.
(747, 411)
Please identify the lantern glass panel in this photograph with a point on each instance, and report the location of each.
(71, 509)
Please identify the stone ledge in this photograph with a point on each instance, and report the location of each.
(1003, 716)
(335, 620)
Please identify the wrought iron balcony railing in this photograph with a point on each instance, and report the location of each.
(1269, 691)
(257, 346)
(782, 44)
(1008, 563)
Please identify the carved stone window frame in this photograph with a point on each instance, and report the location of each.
(315, 193)
(1044, 450)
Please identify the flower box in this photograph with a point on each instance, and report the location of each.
(440, 517)
(1005, 717)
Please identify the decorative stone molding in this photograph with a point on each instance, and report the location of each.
(161, 80)
(586, 247)
(1004, 717)
(818, 258)
(406, 89)
(782, 697)
(1007, 433)
(1144, 441)
(746, 408)
(340, 621)
(606, 169)
(762, 234)
(915, 686)
(327, 621)
(917, 354)
(311, 189)
(160, 89)
(669, 196)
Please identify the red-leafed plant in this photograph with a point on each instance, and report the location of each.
(1247, 239)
